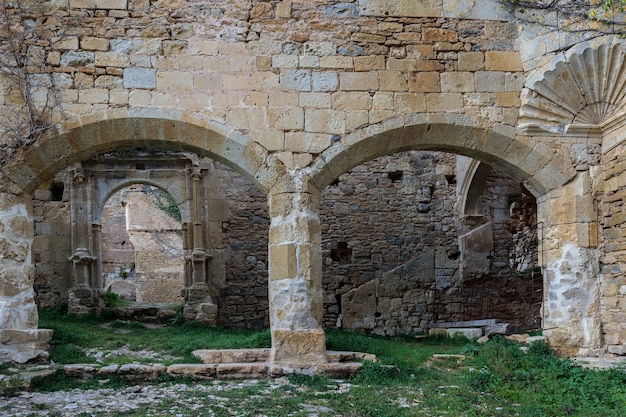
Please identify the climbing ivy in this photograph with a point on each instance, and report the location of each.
(165, 202)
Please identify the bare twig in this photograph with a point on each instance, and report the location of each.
(29, 90)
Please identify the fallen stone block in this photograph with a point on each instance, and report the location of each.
(499, 328)
(438, 332)
(533, 339)
(467, 333)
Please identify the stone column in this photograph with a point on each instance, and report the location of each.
(295, 275)
(198, 303)
(569, 258)
(85, 296)
(20, 340)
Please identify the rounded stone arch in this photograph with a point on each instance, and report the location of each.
(538, 166)
(96, 133)
(183, 206)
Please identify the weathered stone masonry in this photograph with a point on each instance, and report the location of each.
(292, 95)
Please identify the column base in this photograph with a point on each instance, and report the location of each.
(83, 301)
(21, 346)
(298, 348)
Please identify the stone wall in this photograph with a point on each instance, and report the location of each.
(52, 242)
(613, 223)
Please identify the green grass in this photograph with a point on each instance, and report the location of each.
(496, 379)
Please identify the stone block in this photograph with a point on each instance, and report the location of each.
(358, 81)
(99, 4)
(489, 81)
(139, 78)
(400, 8)
(471, 61)
(411, 102)
(468, 333)
(425, 82)
(438, 332)
(70, 42)
(174, 80)
(195, 371)
(369, 63)
(325, 81)
(92, 43)
(503, 61)
(111, 59)
(296, 80)
(351, 101)
(393, 81)
(444, 102)
(283, 261)
(457, 82)
(77, 59)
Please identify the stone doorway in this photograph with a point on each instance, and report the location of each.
(142, 246)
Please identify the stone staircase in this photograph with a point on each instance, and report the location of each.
(255, 363)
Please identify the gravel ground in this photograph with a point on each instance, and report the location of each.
(176, 399)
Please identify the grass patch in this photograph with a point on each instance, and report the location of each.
(496, 379)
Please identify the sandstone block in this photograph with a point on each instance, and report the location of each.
(400, 8)
(202, 47)
(358, 81)
(444, 101)
(92, 43)
(369, 63)
(467, 333)
(411, 102)
(111, 59)
(98, 4)
(457, 82)
(283, 262)
(174, 80)
(325, 121)
(351, 101)
(425, 82)
(70, 42)
(471, 61)
(195, 371)
(489, 81)
(503, 61)
(393, 81)
(93, 96)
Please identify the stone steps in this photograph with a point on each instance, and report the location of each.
(222, 364)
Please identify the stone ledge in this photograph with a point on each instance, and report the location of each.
(226, 364)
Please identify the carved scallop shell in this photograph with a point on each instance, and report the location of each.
(589, 89)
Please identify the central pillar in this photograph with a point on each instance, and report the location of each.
(569, 258)
(198, 303)
(295, 275)
(86, 295)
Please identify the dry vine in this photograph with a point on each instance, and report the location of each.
(591, 17)
(27, 88)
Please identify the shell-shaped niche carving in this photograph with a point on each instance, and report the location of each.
(588, 89)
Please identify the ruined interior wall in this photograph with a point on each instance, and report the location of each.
(391, 258)
(244, 300)
(158, 257)
(118, 251)
(612, 218)
(506, 293)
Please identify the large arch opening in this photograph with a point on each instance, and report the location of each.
(400, 255)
